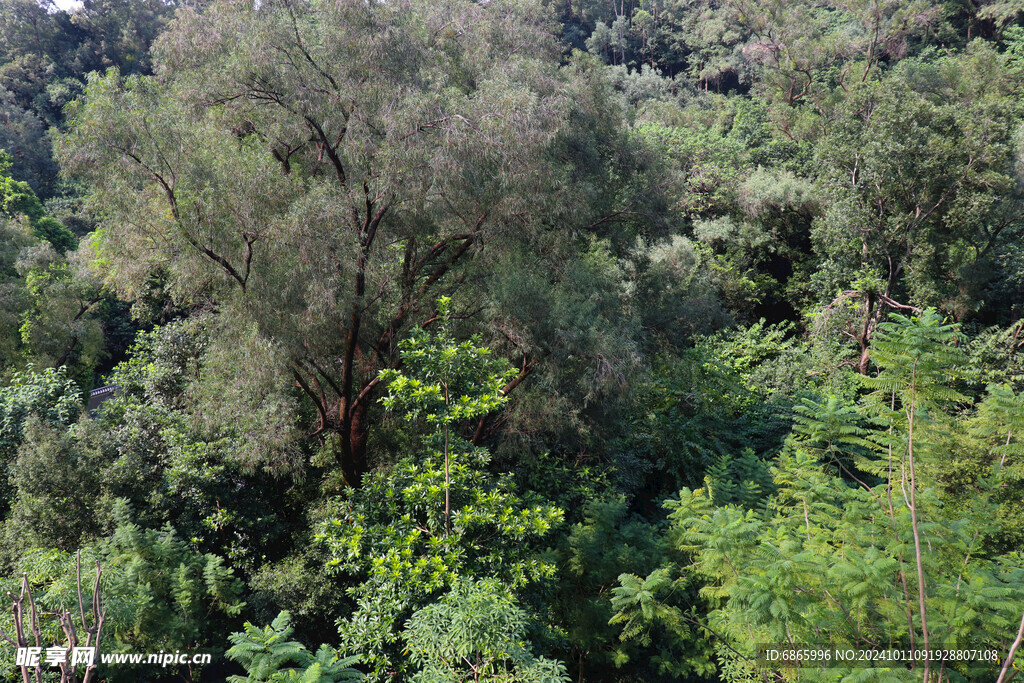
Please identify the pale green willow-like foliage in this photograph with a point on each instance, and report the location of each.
(322, 181)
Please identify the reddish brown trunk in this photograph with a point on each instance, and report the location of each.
(352, 438)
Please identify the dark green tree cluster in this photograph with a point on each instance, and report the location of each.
(45, 55)
(514, 341)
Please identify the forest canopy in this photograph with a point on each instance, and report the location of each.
(513, 340)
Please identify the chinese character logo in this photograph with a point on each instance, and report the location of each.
(55, 656)
(28, 656)
(83, 655)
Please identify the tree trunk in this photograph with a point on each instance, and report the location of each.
(864, 336)
(352, 438)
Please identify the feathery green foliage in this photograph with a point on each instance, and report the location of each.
(832, 560)
(269, 657)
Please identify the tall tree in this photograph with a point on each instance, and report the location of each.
(922, 204)
(326, 178)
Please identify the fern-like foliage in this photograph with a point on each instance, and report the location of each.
(917, 360)
(836, 558)
(1000, 423)
(834, 430)
(647, 613)
(745, 480)
(269, 656)
(912, 393)
(995, 357)
(636, 603)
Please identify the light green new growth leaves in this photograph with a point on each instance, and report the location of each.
(422, 527)
(445, 381)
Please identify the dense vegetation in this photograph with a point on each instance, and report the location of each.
(513, 340)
